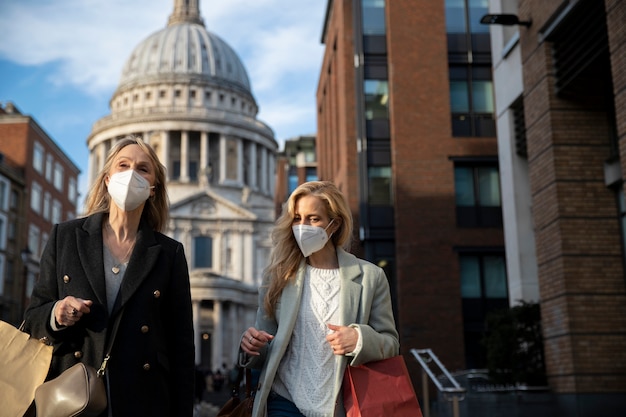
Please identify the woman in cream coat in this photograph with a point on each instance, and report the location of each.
(320, 310)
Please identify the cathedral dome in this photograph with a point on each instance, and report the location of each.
(185, 51)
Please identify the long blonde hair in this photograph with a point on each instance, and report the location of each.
(286, 255)
(156, 210)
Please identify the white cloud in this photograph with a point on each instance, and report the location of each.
(277, 40)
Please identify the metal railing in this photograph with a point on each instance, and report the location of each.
(452, 392)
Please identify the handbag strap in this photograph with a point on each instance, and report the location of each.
(248, 380)
(109, 347)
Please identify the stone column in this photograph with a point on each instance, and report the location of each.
(218, 335)
(235, 334)
(165, 149)
(254, 180)
(184, 156)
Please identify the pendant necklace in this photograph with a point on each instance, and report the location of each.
(116, 268)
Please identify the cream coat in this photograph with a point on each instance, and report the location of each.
(365, 302)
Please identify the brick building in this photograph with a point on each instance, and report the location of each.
(295, 164)
(50, 195)
(406, 129)
(560, 87)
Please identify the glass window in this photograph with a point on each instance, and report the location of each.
(3, 229)
(35, 197)
(46, 206)
(58, 176)
(379, 179)
(4, 194)
(33, 239)
(202, 252)
(38, 154)
(311, 174)
(479, 185)
(455, 16)
(470, 277)
(175, 170)
(464, 186)
(49, 165)
(488, 186)
(71, 190)
(459, 97)
(477, 195)
(373, 17)
(292, 183)
(56, 212)
(482, 96)
(495, 277)
(376, 99)
(477, 9)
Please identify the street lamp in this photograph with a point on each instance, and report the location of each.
(25, 254)
(503, 19)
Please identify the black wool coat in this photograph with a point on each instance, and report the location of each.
(151, 369)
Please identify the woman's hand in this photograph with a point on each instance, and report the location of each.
(343, 339)
(69, 310)
(253, 341)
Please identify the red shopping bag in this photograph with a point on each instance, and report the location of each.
(380, 389)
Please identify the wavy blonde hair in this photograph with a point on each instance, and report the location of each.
(156, 210)
(286, 255)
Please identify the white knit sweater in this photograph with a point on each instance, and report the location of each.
(307, 370)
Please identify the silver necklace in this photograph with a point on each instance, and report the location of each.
(117, 267)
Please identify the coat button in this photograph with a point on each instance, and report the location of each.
(78, 354)
(66, 279)
(156, 293)
(144, 329)
(146, 366)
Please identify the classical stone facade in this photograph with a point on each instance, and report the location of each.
(186, 92)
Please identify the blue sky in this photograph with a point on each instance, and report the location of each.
(60, 60)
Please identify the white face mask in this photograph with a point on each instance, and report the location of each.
(311, 238)
(128, 189)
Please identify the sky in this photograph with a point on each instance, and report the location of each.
(61, 60)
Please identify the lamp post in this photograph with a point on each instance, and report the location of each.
(25, 254)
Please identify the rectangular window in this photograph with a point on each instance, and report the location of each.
(472, 101)
(71, 190)
(49, 167)
(483, 289)
(376, 99)
(4, 194)
(373, 17)
(3, 230)
(202, 252)
(379, 181)
(455, 16)
(33, 239)
(56, 212)
(477, 195)
(38, 157)
(58, 176)
(46, 206)
(35, 197)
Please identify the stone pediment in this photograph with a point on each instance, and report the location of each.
(208, 205)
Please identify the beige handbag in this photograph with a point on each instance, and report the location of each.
(24, 364)
(78, 391)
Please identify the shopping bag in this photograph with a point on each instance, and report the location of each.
(380, 389)
(24, 364)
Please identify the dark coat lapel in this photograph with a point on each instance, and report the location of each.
(141, 262)
(89, 244)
